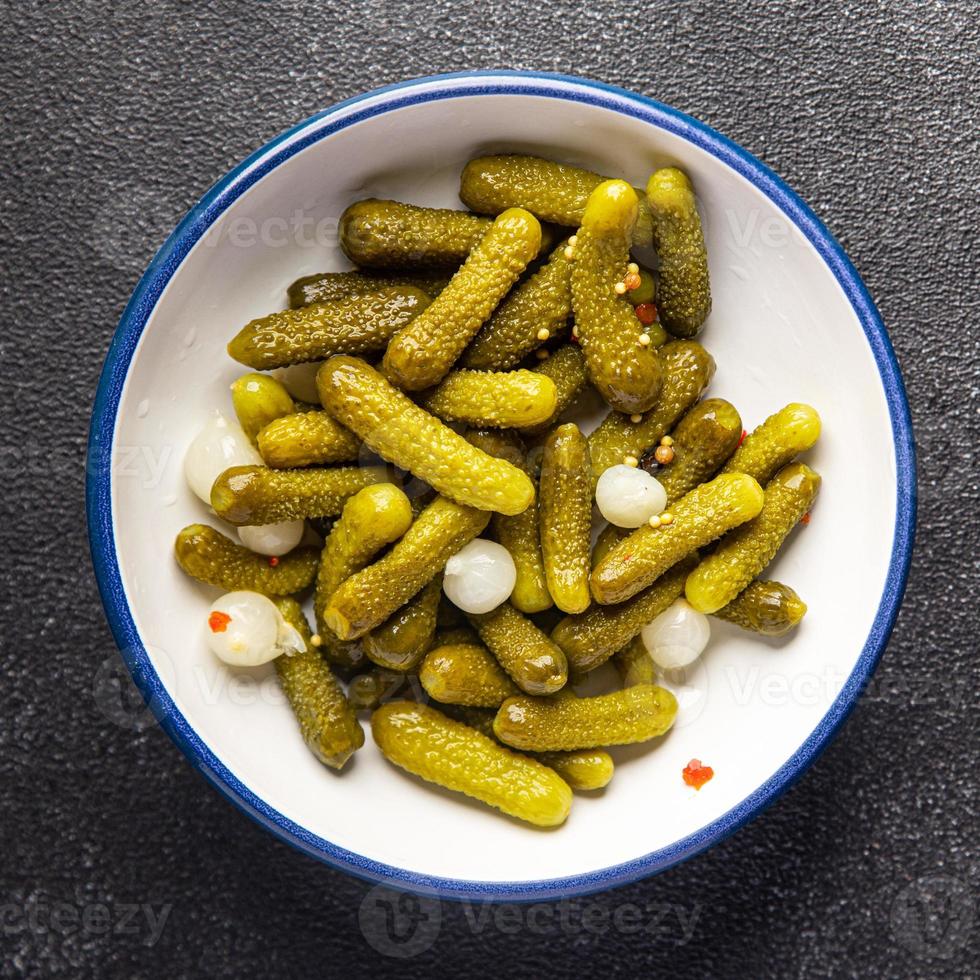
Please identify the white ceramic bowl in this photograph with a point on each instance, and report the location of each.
(791, 322)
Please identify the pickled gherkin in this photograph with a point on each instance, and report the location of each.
(260, 495)
(307, 439)
(688, 368)
(566, 368)
(702, 441)
(402, 641)
(421, 355)
(210, 557)
(258, 400)
(744, 553)
(634, 714)
(359, 325)
(326, 719)
(366, 599)
(368, 690)
(391, 235)
(536, 311)
(398, 430)
(684, 293)
(497, 399)
(565, 512)
(704, 514)
(451, 754)
(467, 674)
(328, 287)
(779, 440)
(626, 373)
(765, 607)
(634, 664)
(533, 662)
(555, 192)
(608, 538)
(583, 770)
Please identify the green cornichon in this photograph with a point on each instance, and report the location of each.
(402, 641)
(467, 674)
(391, 235)
(583, 770)
(210, 557)
(422, 354)
(368, 690)
(307, 439)
(626, 373)
(396, 428)
(634, 664)
(704, 514)
(646, 292)
(684, 296)
(369, 597)
(744, 553)
(779, 440)
(260, 495)
(496, 399)
(688, 368)
(519, 534)
(765, 607)
(608, 538)
(591, 638)
(555, 192)
(533, 662)
(360, 325)
(258, 400)
(565, 512)
(702, 441)
(566, 368)
(326, 718)
(634, 714)
(328, 287)
(533, 313)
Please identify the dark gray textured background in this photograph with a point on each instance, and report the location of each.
(117, 116)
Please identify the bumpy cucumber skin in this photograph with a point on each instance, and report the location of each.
(366, 691)
(366, 599)
(391, 235)
(591, 638)
(608, 538)
(307, 439)
(744, 553)
(555, 192)
(704, 514)
(422, 354)
(684, 294)
(703, 440)
(518, 534)
(402, 641)
(328, 287)
(210, 557)
(259, 399)
(261, 495)
(766, 607)
(326, 719)
(370, 521)
(451, 754)
(566, 368)
(634, 664)
(584, 770)
(535, 664)
(466, 674)
(634, 714)
(410, 437)
(626, 374)
(496, 399)
(565, 511)
(360, 325)
(544, 301)
(779, 440)
(688, 368)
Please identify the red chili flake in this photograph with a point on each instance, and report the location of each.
(573, 339)
(741, 438)
(646, 313)
(627, 557)
(695, 774)
(805, 519)
(218, 621)
(273, 561)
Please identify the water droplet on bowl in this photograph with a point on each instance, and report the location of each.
(143, 408)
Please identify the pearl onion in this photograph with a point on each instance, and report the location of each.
(480, 576)
(677, 636)
(217, 446)
(629, 497)
(245, 629)
(300, 381)
(272, 539)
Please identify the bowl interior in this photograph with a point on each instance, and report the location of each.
(782, 330)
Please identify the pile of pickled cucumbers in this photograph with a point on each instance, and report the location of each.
(404, 462)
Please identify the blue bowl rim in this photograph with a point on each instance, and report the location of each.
(206, 212)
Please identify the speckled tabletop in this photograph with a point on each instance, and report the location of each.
(116, 858)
